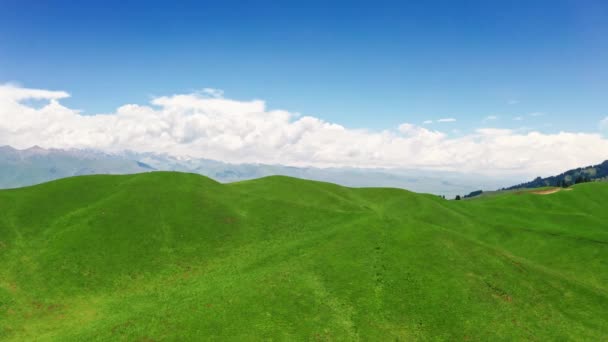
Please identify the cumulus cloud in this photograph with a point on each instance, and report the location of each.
(212, 92)
(446, 120)
(205, 125)
(16, 93)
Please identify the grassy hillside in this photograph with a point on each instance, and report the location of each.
(175, 257)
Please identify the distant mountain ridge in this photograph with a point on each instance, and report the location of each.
(36, 165)
(597, 172)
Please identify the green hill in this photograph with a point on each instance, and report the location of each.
(176, 257)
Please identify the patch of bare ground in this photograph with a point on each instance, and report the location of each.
(549, 191)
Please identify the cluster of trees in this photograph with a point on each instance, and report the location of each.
(473, 194)
(593, 173)
(579, 179)
(581, 175)
(457, 198)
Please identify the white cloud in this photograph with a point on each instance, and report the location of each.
(16, 93)
(513, 102)
(490, 118)
(198, 125)
(411, 130)
(446, 120)
(537, 114)
(212, 92)
(604, 124)
(518, 118)
(427, 122)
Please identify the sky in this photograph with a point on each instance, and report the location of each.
(497, 86)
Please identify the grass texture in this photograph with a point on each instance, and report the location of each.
(168, 256)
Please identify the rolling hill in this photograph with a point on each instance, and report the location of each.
(165, 256)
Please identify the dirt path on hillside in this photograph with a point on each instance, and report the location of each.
(550, 191)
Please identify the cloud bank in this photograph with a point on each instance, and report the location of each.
(207, 125)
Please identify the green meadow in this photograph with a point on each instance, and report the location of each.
(178, 257)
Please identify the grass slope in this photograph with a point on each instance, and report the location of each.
(171, 256)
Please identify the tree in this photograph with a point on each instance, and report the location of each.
(474, 193)
(457, 197)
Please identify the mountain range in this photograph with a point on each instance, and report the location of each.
(37, 165)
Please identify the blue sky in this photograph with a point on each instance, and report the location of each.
(498, 87)
(362, 64)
